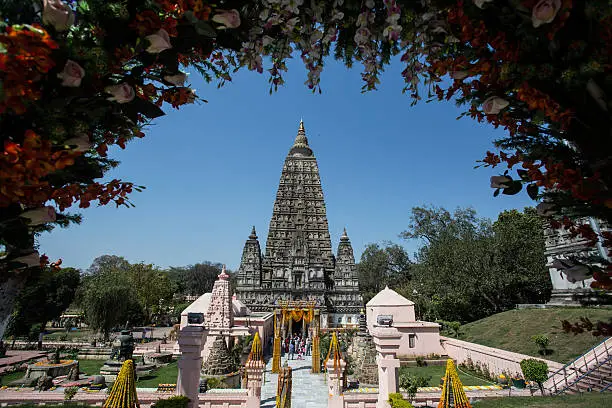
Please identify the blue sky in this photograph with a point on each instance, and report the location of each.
(212, 170)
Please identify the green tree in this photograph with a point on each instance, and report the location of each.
(381, 266)
(195, 279)
(153, 288)
(535, 370)
(44, 298)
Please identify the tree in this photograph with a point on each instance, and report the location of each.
(381, 266)
(195, 279)
(43, 299)
(152, 286)
(535, 370)
(469, 268)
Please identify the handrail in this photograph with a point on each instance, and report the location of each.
(606, 387)
(587, 373)
(579, 357)
(577, 367)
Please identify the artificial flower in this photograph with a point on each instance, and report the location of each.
(58, 14)
(72, 74)
(227, 18)
(500, 181)
(41, 215)
(176, 79)
(545, 12)
(494, 105)
(121, 93)
(159, 42)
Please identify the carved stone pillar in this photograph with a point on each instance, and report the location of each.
(335, 377)
(387, 341)
(254, 370)
(191, 340)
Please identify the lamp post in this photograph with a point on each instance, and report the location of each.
(416, 294)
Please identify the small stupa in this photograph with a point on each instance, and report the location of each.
(219, 360)
(362, 353)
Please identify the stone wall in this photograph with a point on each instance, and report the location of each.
(495, 360)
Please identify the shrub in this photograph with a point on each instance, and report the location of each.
(397, 401)
(177, 401)
(542, 341)
(535, 370)
(410, 384)
(70, 392)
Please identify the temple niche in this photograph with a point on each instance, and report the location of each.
(298, 262)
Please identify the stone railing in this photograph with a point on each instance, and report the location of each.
(360, 399)
(495, 360)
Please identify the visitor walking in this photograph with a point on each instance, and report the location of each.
(308, 344)
(291, 350)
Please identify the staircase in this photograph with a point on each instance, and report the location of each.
(590, 372)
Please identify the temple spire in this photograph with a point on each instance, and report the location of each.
(300, 146)
(344, 236)
(253, 234)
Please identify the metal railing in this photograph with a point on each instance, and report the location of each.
(573, 372)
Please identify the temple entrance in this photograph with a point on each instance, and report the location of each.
(296, 333)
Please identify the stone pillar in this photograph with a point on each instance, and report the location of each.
(191, 340)
(335, 377)
(387, 341)
(254, 371)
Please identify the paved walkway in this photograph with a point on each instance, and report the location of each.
(309, 390)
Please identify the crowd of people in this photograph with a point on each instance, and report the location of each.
(296, 346)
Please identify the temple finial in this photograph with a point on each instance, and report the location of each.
(301, 126)
(300, 145)
(253, 233)
(344, 236)
(223, 275)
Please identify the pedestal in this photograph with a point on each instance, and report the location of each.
(335, 375)
(254, 371)
(387, 341)
(191, 341)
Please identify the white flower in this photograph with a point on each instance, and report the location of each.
(41, 215)
(481, 3)
(30, 260)
(500, 181)
(58, 14)
(494, 105)
(159, 42)
(227, 18)
(545, 209)
(72, 74)
(545, 12)
(121, 93)
(79, 143)
(362, 35)
(176, 79)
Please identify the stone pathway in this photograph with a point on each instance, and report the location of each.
(309, 390)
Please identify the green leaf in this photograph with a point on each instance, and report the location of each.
(513, 188)
(532, 190)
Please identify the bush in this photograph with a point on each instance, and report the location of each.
(542, 341)
(535, 370)
(420, 361)
(397, 401)
(70, 392)
(178, 401)
(410, 384)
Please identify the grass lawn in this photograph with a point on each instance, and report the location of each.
(7, 378)
(594, 400)
(512, 331)
(90, 367)
(437, 372)
(56, 334)
(163, 375)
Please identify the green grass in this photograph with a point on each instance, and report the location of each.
(90, 367)
(593, 400)
(7, 378)
(163, 375)
(512, 331)
(437, 372)
(57, 333)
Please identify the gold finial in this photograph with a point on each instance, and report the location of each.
(302, 126)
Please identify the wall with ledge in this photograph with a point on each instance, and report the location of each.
(496, 360)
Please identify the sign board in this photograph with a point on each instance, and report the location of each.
(195, 318)
(384, 320)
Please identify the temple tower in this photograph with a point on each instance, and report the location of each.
(299, 263)
(220, 313)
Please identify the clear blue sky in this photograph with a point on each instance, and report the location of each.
(212, 170)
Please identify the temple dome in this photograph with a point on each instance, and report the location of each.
(300, 146)
(389, 297)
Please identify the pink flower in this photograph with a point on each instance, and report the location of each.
(79, 143)
(37, 216)
(481, 3)
(121, 93)
(494, 105)
(545, 12)
(29, 260)
(159, 42)
(56, 13)
(500, 181)
(72, 74)
(177, 79)
(227, 18)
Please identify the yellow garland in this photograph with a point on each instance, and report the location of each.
(123, 392)
(256, 353)
(334, 352)
(283, 388)
(453, 394)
